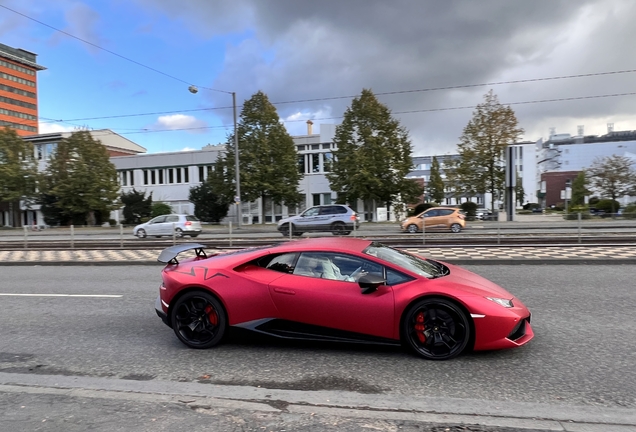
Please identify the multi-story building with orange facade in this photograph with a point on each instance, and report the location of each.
(18, 90)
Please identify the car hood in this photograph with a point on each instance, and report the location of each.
(470, 283)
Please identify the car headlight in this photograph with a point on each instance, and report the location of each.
(507, 303)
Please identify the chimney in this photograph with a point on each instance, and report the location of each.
(309, 127)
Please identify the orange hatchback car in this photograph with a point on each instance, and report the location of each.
(436, 218)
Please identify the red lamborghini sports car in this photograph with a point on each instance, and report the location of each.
(338, 289)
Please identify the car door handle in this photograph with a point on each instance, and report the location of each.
(285, 291)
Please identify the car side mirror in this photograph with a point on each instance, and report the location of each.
(370, 283)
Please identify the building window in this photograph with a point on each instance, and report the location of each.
(153, 177)
(178, 175)
(327, 162)
(301, 164)
(39, 150)
(316, 199)
(326, 198)
(186, 175)
(122, 176)
(160, 176)
(145, 177)
(315, 146)
(132, 178)
(315, 163)
(170, 176)
(520, 152)
(449, 201)
(201, 172)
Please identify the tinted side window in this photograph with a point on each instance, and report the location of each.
(431, 213)
(283, 263)
(158, 219)
(341, 210)
(327, 210)
(192, 218)
(172, 219)
(394, 278)
(446, 212)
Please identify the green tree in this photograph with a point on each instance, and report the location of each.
(267, 155)
(82, 179)
(136, 206)
(480, 167)
(613, 177)
(211, 199)
(579, 189)
(436, 184)
(373, 156)
(18, 172)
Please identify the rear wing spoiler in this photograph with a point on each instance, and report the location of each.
(169, 255)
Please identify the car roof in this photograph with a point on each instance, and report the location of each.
(341, 244)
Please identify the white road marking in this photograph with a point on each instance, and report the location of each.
(62, 295)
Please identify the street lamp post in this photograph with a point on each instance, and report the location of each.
(237, 199)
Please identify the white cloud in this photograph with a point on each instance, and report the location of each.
(54, 128)
(180, 122)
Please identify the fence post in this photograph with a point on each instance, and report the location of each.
(26, 239)
(579, 227)
(423, 229)
(498, 228)
(72, 237)
(121, 235)
(230, 233)
(174, 233)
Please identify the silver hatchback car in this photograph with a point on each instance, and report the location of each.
(165, 225)
(338, 219)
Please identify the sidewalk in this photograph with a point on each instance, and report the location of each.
(457, 255)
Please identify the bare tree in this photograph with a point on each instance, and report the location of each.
(612, 177)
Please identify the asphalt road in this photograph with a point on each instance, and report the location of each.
(583, 353)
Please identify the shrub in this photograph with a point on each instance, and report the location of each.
(159, 209)
(470, 208)
(630, 211)
(608, 205)
(422, 207)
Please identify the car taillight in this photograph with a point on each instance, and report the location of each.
(461, 216)
(188, 223)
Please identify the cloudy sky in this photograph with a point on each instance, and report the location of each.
(426, 60)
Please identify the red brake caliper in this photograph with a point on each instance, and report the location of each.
(419, 327)
(212, 317)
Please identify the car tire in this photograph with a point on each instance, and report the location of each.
(141, 233)
(199, 320)
(338, 228)
(436, 329)
(284, 230)
(455, 228)
(178, 232)
(412, 228)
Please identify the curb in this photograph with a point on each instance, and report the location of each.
(526, 415)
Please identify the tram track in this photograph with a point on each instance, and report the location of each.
(399, 241)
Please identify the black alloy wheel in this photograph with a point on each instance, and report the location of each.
(199, 320)
(436, 329)
(141, 233)
(338, 228)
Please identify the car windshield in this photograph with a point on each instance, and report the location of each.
(422, 267)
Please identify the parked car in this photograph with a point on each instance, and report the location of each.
(436, 218)
(341, 290)
(482, 213)
(165, 225)
(338, 219)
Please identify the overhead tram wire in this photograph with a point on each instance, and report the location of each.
(568, 99)
(455, 87)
